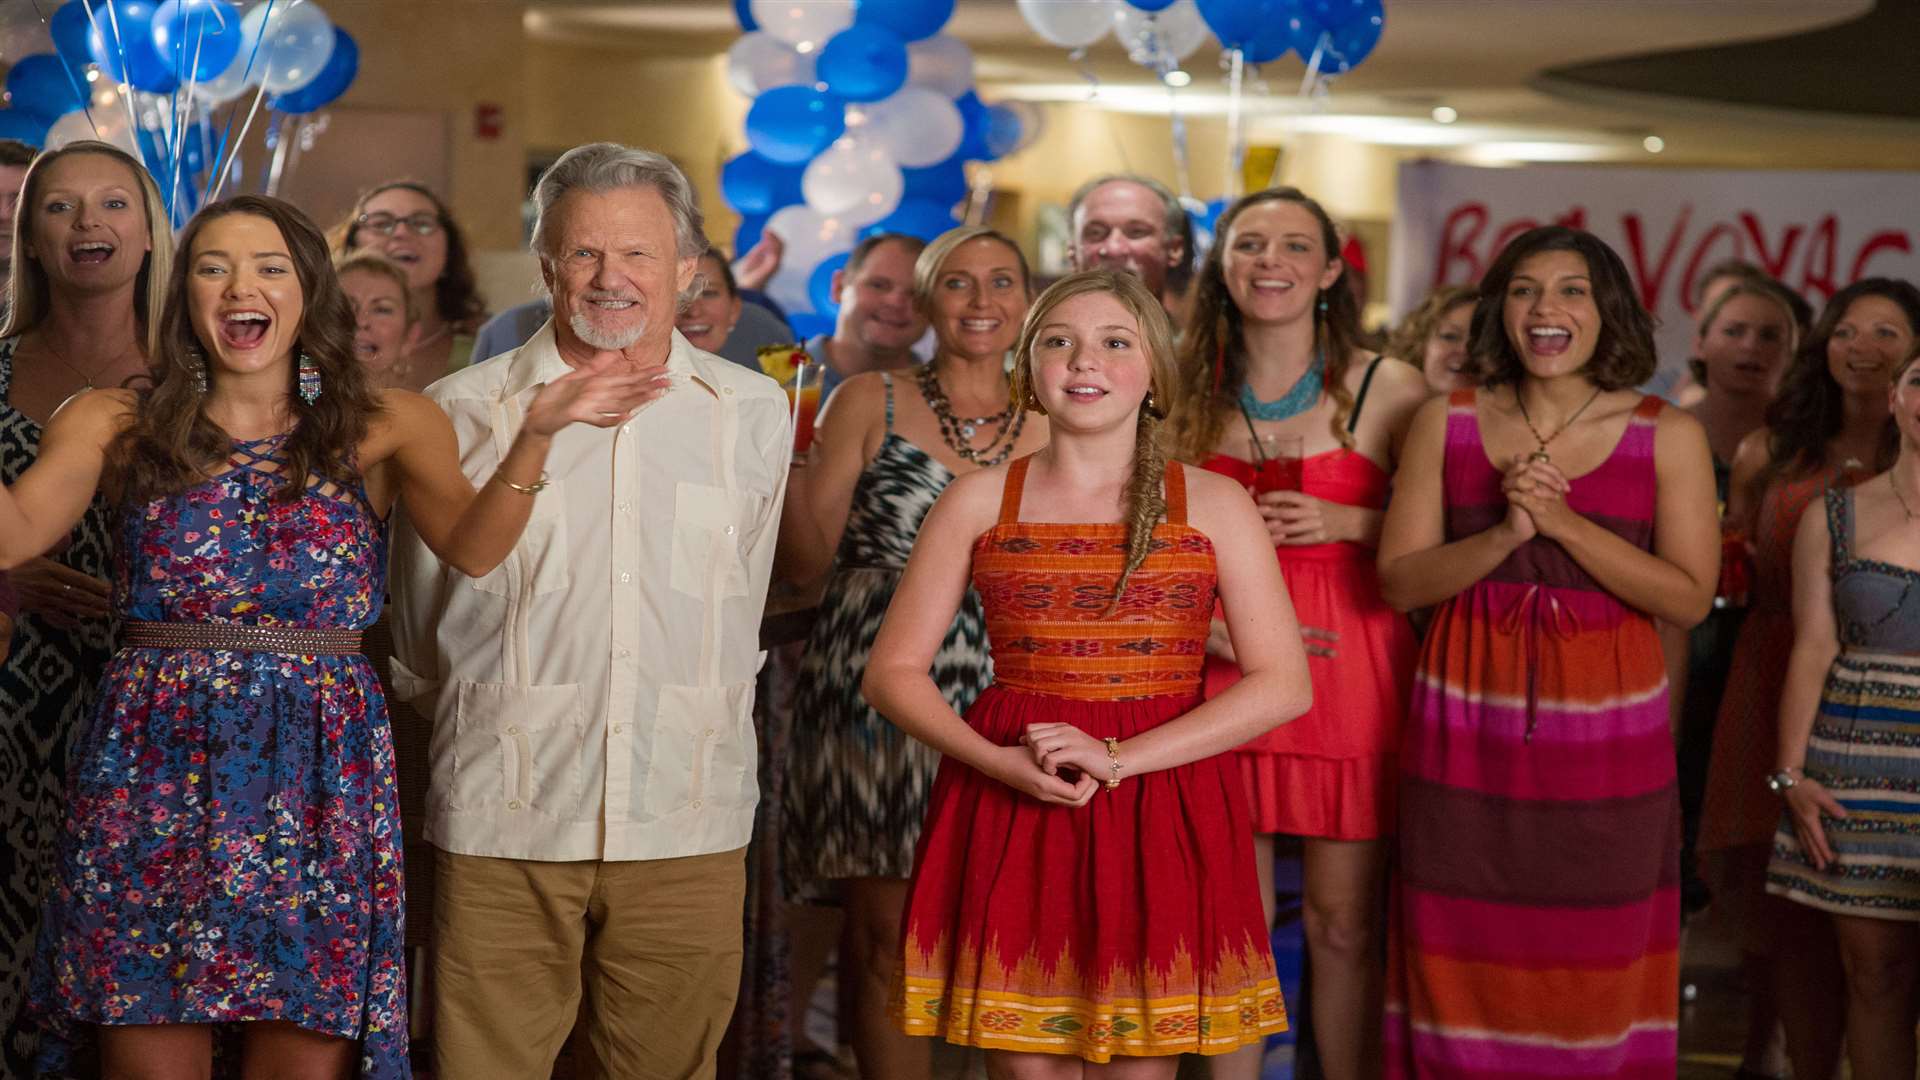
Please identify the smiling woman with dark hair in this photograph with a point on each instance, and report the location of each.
(405, 221)
(1553, 515)
(231, 849)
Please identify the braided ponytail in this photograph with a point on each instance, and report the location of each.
(1146, 504)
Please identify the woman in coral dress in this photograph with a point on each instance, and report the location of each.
(1265, 364)
(1084, 888)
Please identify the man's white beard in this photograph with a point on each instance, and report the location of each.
(606, 340)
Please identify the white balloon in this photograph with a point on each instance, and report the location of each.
(941, 63)
(231, 83)
(810, 237)
(803, 23)
(1072, 23)
(297, 43)
(1173, 32)
(758, 62)
(110, 121)
(854, 180)
(918, 126)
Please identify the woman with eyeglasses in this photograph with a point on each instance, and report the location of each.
(409, 224)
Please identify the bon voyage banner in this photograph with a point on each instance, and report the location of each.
(1816, 231)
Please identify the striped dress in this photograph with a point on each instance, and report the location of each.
(1535, 929)
(1865, 745)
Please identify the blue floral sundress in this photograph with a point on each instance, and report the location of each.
(232, 844)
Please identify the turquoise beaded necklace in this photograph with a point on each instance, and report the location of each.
(1304, 395)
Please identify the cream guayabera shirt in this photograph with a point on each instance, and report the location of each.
(592, 697)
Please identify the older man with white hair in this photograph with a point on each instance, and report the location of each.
(1135, 225)
(593, 754)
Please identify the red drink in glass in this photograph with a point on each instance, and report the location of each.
(1280, 464)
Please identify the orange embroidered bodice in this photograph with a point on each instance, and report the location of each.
(1047, 589)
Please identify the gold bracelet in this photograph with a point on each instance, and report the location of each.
(1113, 763)
(532, 489)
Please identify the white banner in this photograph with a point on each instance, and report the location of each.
(1816, 231)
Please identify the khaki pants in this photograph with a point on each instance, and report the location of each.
(654, 944)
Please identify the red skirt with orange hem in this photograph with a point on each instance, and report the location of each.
(1128, 927)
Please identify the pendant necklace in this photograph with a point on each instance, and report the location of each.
(85, 378)
(958, 432)
(1541, 454)
(1304, 395)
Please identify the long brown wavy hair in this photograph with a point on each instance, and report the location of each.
(1213, 359)
(1145, 503)
(1808, 411)
(172, 444)
(456, 295)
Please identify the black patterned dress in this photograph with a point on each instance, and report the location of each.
(857, 786)
(47, 688)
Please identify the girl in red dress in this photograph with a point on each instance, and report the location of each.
(1274, 364)
(1084, 888)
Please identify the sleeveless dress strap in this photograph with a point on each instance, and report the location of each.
(886, 380)
(1010, 494)
(1360, 400)
(1176, 482)
(1840, 526)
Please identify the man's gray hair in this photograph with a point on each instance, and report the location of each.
(1176, 216)
(605, 166)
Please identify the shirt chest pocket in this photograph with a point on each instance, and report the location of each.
(710, 527)
(538, 563)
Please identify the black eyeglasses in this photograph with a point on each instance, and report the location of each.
(420, 224)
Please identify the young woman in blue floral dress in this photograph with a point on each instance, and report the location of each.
(232, 844)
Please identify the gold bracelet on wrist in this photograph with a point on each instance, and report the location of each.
(529, 490)
(1113, 763)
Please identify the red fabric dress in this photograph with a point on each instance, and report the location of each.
(1130, 926)
(1331, 773)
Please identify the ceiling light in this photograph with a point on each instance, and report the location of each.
(803, 48)
(1445, 114)
(1654, 144)
(1176, 77)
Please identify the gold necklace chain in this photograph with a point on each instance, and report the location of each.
(1895, 488)
(1541, 454)
(85, 378)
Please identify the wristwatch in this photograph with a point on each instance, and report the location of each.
(1778, 782)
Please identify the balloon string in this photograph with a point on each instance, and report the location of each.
(126, 70)
(1308, 80)
(1236, 143)
(83, 93)
(280, 140)
(218, 179)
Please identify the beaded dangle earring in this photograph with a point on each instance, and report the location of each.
(309, 379)
(197, 360)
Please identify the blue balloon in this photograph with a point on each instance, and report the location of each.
(748, 234)
(863, 63)
(69, 28)
(923, 218)
(1272, 40)
(197, 38)
(790, 124)
(753, 185)
(807, 325)
(945, 182)
(820, 283)
(1151, 5)
(132, 22)
(912, 19)
(42, 85)
(331, 81)
(973, 143)
(1238, 22)
(1004, 130)
(23, 126)
(743, 10)
(1352, 38)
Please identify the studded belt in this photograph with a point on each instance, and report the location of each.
(239, 637)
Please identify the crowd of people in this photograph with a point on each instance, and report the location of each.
(1113, 584)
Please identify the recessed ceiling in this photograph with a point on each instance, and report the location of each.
(1489, 60)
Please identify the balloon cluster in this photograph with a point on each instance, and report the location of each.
(1333, 36)
(147, 76)
(863, 119)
